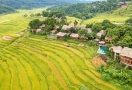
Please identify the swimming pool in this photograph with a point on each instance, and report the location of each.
(102, 50)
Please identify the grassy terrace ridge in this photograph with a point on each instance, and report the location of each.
(38, 64)
(16, 22)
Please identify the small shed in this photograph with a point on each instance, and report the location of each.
(65, 27)
(61, 34)
(53, 31)
(42, 26)
(89, 30)
(102, 43)
(96, 41)
(74, 36)
(107, 40)
(38, 31)
(99, 34)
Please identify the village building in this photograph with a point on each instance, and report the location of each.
(42, 26)
(33, 30)
(102, 43)
(117, 50)
(107, 40)
(79, 27)
(66, 27)
(74, 36)
(83, 38)
(99, 34)
(38, 31)
(89, 30)
(96, 41)
(53, 31)
(61, 34)
(126, 56)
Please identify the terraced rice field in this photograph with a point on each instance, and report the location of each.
(39, 64)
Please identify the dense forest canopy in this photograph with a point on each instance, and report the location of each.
(28, 4)
(5, 9)
(86, 10)
(34, 3)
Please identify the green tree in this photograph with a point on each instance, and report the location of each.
(34, 24)
(45, 13)
(75, 23)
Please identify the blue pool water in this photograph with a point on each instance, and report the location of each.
(102, 50)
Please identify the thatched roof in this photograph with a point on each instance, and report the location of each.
(42, 26)
(89, 30)
(74, 35)
(107, 38)
(116, 49)
(96, 40)
(65, 27)
(126, 52)
(38, 30)
(61, 34)
(101, 42)
(100, 33)
(53, 31)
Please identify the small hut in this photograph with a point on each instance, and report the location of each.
(96, 41)
(74, 36)
(38, 31)
(99, 34)
(42, 26)
(107, 40)
(65, 28)
(89, 30)
(61, 34)
(80, 27)
(101, 43)
(53, 31)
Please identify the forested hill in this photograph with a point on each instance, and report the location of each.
(6, 9)
(28, 4)
(34, 3)
(87, 10)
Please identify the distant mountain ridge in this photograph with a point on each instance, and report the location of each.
(34, 3)
(7, 6)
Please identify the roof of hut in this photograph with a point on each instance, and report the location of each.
(61, 34)
(126, 52)
(89, 30)
(100, 33)
(74, 35)
(117, 49)
(102, 42)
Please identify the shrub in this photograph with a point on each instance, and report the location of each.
(106, 77)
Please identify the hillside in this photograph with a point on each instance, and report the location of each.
(5, 9)
(34, 3)
(124, 11)
(86, 10)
